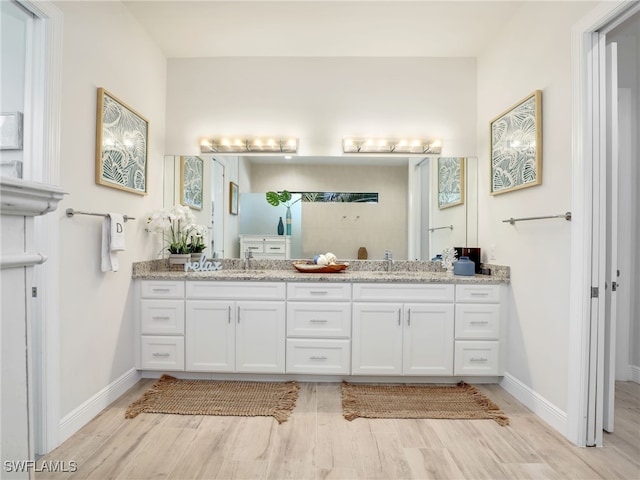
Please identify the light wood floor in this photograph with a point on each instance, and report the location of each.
(318, 443)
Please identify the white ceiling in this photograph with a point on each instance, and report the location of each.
(306, 28)
(422, 28)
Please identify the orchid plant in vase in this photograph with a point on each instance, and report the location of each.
(181, 234)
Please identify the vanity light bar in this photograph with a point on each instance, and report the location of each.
(253, 145)
(386, 145)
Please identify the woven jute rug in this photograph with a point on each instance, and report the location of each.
(209, 397)
(461, 401)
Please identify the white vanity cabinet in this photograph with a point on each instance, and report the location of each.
(319, 328)
(479, 332)
(235, 327)
(271, 247)
(403, 329)
(324, 328)
(162, 328)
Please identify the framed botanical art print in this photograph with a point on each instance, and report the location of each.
(450, 182)
(121, 145)
(233, 198)
(516, 146)
(191, 182)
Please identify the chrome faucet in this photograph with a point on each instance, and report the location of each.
(388, 256)
(247, 256)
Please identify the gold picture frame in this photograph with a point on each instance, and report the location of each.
(122, 136)
(516, 146)
(191, 182)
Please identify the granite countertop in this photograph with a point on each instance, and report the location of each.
(283, 271)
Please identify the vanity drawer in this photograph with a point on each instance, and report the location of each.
(319, 291)
(318, 356)
(162, 317)
(236, 290)
(477, 321)
(253, 247)
(474, 293)
(161, 289)
(162, 353)
(408, 292)
(321, 319)
(273, 248)
(476, 358)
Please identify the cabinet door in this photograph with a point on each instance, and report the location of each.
(260, 337)
(377, 339)
(428, 339)
(210, 336)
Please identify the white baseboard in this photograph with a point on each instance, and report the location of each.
(634, 373)
(544, 409)
(82, 415)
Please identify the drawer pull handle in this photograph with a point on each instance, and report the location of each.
(318, 358)
(229, 313)
(275, 248)
(318, 292)
(160, 317)
(409, 318)
(160, 289)
(479, 294)
(399, 317)
(253, 248)
(478, 322)
(481, 359)
(318, 320)
(162, 354)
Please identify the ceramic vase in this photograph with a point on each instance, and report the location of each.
(288, 221)
(464, 266)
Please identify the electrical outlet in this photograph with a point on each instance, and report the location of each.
(492, 252)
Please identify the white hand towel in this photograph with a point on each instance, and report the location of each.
(112, 241)
(116, 240)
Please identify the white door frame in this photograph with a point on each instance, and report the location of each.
(586, 152)
(42, 145)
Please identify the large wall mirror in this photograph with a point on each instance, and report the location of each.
(406, 214)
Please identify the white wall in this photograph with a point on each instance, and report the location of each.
(533, 52)
(321, 100)
(103, 46)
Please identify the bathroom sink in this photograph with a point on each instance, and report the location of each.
(398, 274)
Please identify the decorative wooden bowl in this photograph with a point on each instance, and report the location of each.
(310, 267)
